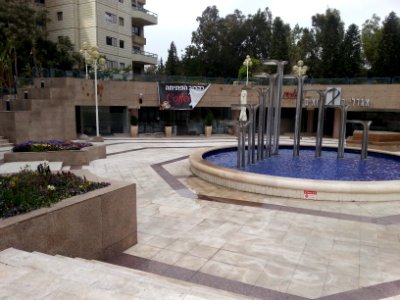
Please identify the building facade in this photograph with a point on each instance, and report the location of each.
(64, 108)
(116, 27)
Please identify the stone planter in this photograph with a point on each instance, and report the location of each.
(95, 225)
(134, 131)
(168, 131)
(207, 131)
(68, 157)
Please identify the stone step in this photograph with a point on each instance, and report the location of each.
(55, 277)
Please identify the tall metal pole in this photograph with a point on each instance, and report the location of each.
(95, 97)
(278, 98)
(300, 70)
(297, 127)
(342, 133)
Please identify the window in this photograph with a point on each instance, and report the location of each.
(121, 21)
(111, 41)
(136, 50)
(110, 18)
(121, 65)
(121, 1)
(60, 16)
(39, 1)
(112, 64)
(121, 44)
(136, 30)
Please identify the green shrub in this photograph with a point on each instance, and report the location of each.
(134, 121)
(209, 118)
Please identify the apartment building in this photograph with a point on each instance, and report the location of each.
(116, 27)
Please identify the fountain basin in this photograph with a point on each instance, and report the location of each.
(290, 187)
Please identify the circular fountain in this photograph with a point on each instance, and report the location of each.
(308, 173)
(305, 177)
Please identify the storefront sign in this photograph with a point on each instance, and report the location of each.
(180, 96)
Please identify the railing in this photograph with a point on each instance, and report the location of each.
(51, 73)
(148, 54)
(145, 11)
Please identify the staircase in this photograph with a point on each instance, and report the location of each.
(4, 142)
(24, 275)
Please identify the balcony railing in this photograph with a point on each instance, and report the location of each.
(144, 53)
(137, 39)
(145, 11)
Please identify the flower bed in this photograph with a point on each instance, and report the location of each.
(71, 154)
(50, 145)
(29, 190)
(93, 225)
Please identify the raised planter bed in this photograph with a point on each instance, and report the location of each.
(95, 225)
(68, 157)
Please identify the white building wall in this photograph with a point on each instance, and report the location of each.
(86, 21)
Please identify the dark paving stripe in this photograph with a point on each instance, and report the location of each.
(125, 151)
(197, 277)
(149, 148)
(297, 210)
(379, 291)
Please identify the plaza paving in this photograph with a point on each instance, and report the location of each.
(253, 246)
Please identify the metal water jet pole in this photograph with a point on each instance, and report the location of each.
(300, 71)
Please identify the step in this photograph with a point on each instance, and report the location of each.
(64, 277)
(10, 145)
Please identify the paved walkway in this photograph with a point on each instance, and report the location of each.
(252, 245)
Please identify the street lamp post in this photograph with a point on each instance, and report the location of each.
(92, 57)
(247, 62)
(85, 54)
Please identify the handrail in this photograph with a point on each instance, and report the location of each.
(141, 52)
(145, 11)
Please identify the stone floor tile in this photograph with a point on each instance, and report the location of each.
(191, 262)
(216, 268)
(203, 251)
(143, 250)
(168, 256)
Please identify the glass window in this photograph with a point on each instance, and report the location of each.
(136, 30)
(60, 16)
(111, 18)
(111, 41)
(121, 44)
(112, 64)
(121, 21)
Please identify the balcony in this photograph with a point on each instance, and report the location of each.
(141, 16)
(138, 40)
(146, 58)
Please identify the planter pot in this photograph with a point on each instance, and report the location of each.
(208, 130)
(168, 131)
(134, 131)
(95, 225)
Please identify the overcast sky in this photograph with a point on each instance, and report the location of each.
(177, 18)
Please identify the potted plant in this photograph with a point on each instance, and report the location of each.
(168, 123)
(208, 123)
(134, 126)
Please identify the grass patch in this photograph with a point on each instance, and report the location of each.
(29, 190)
